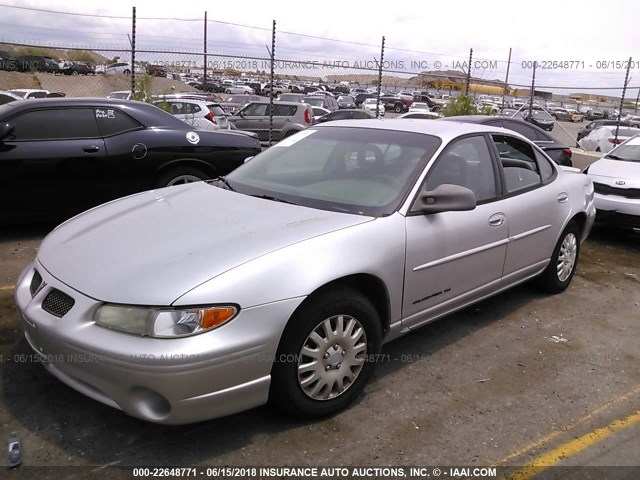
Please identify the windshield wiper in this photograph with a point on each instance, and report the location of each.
(225, 182)
(274, 199)
(615, 157)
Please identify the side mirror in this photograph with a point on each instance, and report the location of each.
(240, 113)
(445, 198)
(6, 129)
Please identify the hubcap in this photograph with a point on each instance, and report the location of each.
(567, 257)
(332, 357)
(182, 179)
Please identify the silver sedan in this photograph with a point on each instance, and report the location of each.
(281, 281)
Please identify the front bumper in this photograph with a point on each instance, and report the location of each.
(617, 210)
(172, 381)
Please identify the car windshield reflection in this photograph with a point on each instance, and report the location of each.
(359, 170)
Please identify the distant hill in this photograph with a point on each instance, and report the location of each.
(57, 54)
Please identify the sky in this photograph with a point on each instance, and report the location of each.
(587, 37)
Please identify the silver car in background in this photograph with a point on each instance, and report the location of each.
(282, 281)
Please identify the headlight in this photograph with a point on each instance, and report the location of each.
(163, 322)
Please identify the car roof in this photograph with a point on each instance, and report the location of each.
(444, 130)
(145, 113)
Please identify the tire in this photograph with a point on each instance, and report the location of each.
(180, 176)
(227, 91)
(343, 365)
(75, 72)
(127, 72)
(564, 261)
(398, 108)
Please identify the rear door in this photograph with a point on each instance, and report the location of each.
(535, 204)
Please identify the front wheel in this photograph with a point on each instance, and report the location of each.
(564, 261)
(180, 176)
(398, 108)
(326, 354)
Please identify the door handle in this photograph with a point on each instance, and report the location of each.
(91, 149)
(563, 197)
(497, 220)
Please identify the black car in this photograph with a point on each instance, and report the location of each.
(60, 156)
(79, 68)
(583, 132)
(540, 119)
(346, 101)
(345, 114)
(27, 63)
(361, 97)
(7, 61)
(559, 152)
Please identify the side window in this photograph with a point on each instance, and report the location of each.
(284, 110)
(191, 108)
(467, 163)
(518, 163)
(55, 124)
(112, 121)
(256, 110)
(546, 169)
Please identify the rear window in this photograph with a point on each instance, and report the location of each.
(216, 110)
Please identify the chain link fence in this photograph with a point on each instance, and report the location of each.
(141, 56)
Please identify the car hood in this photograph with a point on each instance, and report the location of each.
(151, 248)
(617, 169)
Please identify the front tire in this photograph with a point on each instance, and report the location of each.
(326, 354)
(564, 261)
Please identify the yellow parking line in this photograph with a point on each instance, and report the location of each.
(573, 447)
(548, 438)
(7, 287)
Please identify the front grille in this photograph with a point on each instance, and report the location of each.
(603, 189)
(57, 303)
(36, 280)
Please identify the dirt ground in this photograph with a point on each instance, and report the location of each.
(85, 85)
(471, 389)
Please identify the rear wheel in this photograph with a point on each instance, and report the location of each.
(397, 108)
(326, 354)
(180, 176)
(564, 261)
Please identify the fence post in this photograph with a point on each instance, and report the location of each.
(637, 98)
(204, 80)
(379, 79)
(466, 88)
(506, 81)
(533, 87)
(133, 52)
(271, 79)
(624, 91)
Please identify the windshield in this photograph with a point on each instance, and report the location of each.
(628, 152)
(357, 170)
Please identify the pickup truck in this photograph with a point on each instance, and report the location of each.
(397, 103)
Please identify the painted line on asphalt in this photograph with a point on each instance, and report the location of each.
(567, 428)
(7, 287)
(573, 447)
